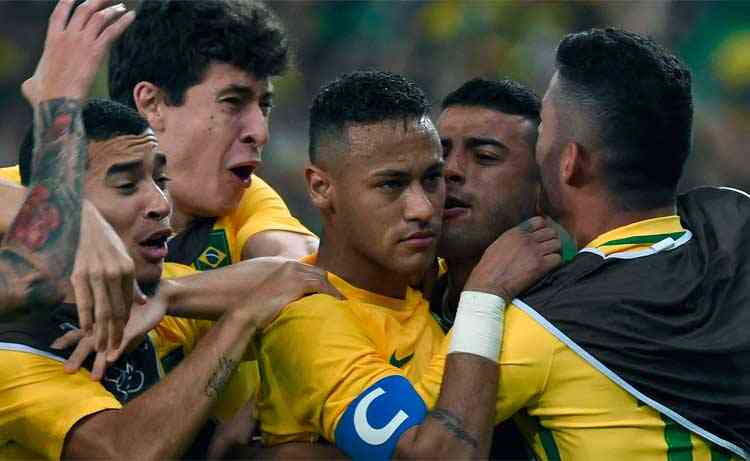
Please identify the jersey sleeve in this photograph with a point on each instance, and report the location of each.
(40, 403)
(321, 374)
(263, 209)
(11, 174)
(525, 362)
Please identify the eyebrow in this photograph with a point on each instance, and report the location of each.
(124, 167)
(390, 173)
(475, 142)
(243, 90)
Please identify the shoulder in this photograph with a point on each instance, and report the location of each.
(175, 270)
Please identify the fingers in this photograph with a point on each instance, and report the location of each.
(83, 349)
(59, 17)
(84, 12)
(544, 234)
(119, 309)
(104, 18)
(100, 366)
(551, 261)
(533, 224)
(138, 296)
(550, 246)
(116, 29)
(102, 312)
(84, 299)
(326, 288)
(67, 340)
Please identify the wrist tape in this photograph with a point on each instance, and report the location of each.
(478, 328)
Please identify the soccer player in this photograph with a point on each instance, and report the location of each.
(200, 72)
(45, 412)
(617, 354)
(357, 371)
(488, 130)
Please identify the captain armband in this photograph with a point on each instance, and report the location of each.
(478, 328)
(373, 423)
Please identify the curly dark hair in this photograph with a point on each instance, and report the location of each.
(634, 98)
(171, 44)
(363, 97)
(103, 119)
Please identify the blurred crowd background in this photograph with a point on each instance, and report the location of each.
(440, 45)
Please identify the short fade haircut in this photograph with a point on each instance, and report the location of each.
(635, 100)
(171, 44)
(506, 96)
(363, 97)
(103, 119)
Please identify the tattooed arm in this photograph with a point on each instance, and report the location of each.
(161, 422)
(39, 249)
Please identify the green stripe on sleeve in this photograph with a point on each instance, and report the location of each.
(548, 441)
(679, 445)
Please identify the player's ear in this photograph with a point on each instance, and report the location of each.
(149, 101)
(320, 188)
(575, 165)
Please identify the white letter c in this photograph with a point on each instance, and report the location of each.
(368, 433)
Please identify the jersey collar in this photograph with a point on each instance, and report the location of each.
(412, 299)
(640, 238)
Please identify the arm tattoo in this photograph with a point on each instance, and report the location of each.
(452, 424)
(220, 376)
(43, 238)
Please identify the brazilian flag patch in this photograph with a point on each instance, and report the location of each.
(216, 253)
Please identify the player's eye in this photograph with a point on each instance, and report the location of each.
(126, 188)
(391, 185)
(433, 180)
(266, 106)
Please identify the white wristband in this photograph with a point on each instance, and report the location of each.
(478, 328)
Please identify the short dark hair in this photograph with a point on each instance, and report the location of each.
(363, 97)
(103, 119)
(171, 43)
(506, 96)
(636, 102)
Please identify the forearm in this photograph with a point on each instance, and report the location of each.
(40, 246)
(460, 425)
(208, 295)
(162, 422)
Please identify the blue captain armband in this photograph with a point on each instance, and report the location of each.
(374, 422)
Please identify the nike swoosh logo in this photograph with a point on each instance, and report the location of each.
(398, 363)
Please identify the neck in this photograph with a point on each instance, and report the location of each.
(180, 220)
(357, 270)
(458, 273)
(594, 219)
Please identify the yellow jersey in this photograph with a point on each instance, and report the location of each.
(565, 407)
(339, 349)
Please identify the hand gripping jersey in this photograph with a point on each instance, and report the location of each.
(326, 381)
(344, 370)
(40, 403)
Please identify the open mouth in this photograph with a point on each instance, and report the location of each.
(452, 202)
(243, 172)
(156, 242)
